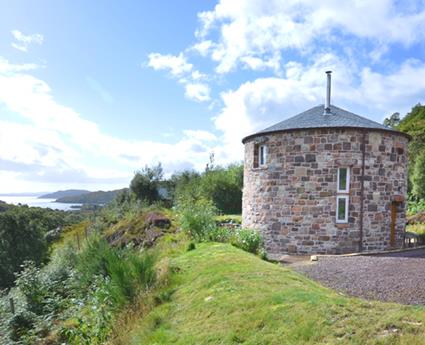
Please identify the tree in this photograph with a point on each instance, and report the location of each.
(393, 121)
(221, 186)
(145, 183)
(21, 239)
(414, 125)
(418, 178)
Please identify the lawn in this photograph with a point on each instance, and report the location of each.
(222, 295)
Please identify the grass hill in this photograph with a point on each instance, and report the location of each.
(64, 193)
(222, 295)
(99, 197)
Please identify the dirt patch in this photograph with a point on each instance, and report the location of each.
(396, 277)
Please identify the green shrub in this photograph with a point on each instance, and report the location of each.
(31, 284)
(248, 240)
(20, 324)
(198, 219)
(127, 271)
(191, 246)
(415, 206)
(221, 234)
(129, 274)
(221, 186)
(93, 260)
(245, 239)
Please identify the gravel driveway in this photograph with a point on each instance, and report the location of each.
(396, 277)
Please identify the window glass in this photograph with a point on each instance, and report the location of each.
(341, 208)
(262, 155)
(343, 179)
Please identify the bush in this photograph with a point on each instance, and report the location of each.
(418, 177)
(20, 324)
(248, 240)
(198, 219)
(414, 207)
(22, 239)
(145, 183)
(127, 271)
(221, 186)
(191, 246)
(221, 234)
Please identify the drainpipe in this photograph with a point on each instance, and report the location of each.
(362, 191)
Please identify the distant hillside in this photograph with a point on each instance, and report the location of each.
(64, 193)
(99, 197)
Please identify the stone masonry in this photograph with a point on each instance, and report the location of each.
(292, 200)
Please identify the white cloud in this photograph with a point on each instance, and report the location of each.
(197, 91)
(257, 104)
(250, 30)
(57, 142)
(179, 68)
(396, 91)
(23, 41)
(177, 65)
(200, 135)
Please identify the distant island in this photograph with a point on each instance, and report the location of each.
(64, 193)
(94, 198)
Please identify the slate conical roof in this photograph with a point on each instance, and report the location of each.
(314, 118)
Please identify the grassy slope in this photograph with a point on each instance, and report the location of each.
(226, 296)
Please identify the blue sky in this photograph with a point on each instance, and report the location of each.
(91, 91)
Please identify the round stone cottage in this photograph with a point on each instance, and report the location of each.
(326, 181)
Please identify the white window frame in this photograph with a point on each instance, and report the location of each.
(264, 148)
(347, 185)
(338, 197)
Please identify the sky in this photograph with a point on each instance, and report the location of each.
(92, 91)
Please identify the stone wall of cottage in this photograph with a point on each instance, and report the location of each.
(292, 200)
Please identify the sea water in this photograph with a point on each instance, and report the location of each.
(34, 201)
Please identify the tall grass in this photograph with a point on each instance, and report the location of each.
(128, 272)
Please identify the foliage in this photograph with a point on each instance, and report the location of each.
(221, 234)
(418, 229)
(393, 121)
(26, 233)
(229, 219)
(248, 240)
(414, 125)
(197, 219)
(145, 183)
(418, 177)
(129, 273)
(20, 324)
(39, 296)
(22, 238)
(84, 290)
(222, 186)
(415, 206)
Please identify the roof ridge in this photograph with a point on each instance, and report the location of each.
(314, 118)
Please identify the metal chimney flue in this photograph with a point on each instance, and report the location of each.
(328, 94)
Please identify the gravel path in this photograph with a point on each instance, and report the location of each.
(397, 277)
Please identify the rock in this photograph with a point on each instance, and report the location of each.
(158, 220)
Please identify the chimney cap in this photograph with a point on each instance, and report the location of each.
(328, 72)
